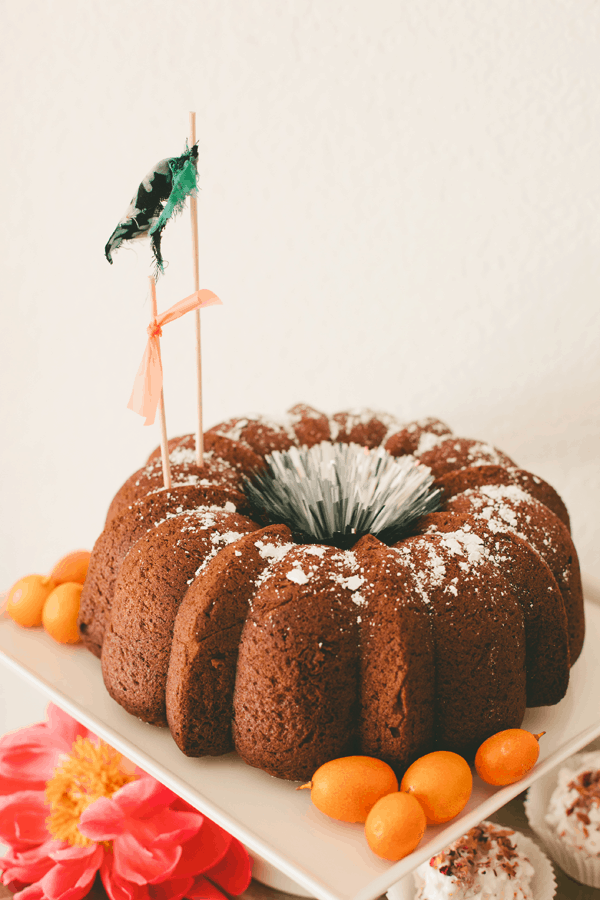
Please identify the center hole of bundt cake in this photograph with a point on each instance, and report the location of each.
(335, 493)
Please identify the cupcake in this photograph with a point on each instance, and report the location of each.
(564, 810)
(487, 863)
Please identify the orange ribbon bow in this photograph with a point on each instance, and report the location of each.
(147, 386)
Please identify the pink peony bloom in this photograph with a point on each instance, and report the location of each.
(70, 809)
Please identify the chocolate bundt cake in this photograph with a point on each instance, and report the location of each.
(241, 635)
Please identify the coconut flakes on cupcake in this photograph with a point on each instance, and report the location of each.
(484, 862)
(574, 809)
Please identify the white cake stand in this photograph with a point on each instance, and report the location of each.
(296, 848)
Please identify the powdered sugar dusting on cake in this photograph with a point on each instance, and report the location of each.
(183, 479)
(227, 537)
(450, 453)
(278, 424)
(345, 572)
(416, 437)
(477, 453)
(298, 576)
(300, 564)
(334, 428)
(496, 505)
(435, 426)
(350, 560)
(186, 457)
(437, 571)
(343, 565)
(200, 518)
(232, 429)
(485, 454)
(218, 540)
(183, 456)
(351, 418)
(316, 550)
(354, 582)
(427, 442)
(216, 472)
(302, 411)
(170, 514)
(465, 543)
(273, 552)
(427, 577)
(392, 425)
(505, 491)
(206, 517)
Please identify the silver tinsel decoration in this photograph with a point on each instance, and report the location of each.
(334, 490)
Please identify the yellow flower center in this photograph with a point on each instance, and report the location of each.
(89, 772)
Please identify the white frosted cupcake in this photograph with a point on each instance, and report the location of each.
(487, 863)
(564, 810)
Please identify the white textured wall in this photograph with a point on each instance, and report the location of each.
(400, 208)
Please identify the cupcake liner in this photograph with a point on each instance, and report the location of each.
(576, 863)
(543, 883)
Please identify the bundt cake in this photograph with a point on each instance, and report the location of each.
(239, 634)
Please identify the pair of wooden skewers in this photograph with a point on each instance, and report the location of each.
(162, 193)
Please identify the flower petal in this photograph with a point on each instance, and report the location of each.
(103, 820)
(142, 797)
(205, 890)
(204, 850)
(234, 871)
(72, 877)
(31, 892)
(173, 889)
(65, 853)
(64, 729)
(167, 827)
(32, 733)
(12, 785)
(29, 755)
(136, 862)
(117, 888)
(30, 865)
(182, 805)
(32, 754)
(23, 819)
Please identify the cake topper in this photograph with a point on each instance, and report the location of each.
(160, 196)
(337, 492)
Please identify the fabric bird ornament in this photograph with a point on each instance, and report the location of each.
(160, 196)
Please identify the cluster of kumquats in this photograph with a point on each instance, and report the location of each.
(434, 789)
(51, 600)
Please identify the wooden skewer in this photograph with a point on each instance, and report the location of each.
(194, 221)
(164, 444)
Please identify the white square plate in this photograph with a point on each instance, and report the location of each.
(329, 859)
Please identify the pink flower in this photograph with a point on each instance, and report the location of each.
(70, 808)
